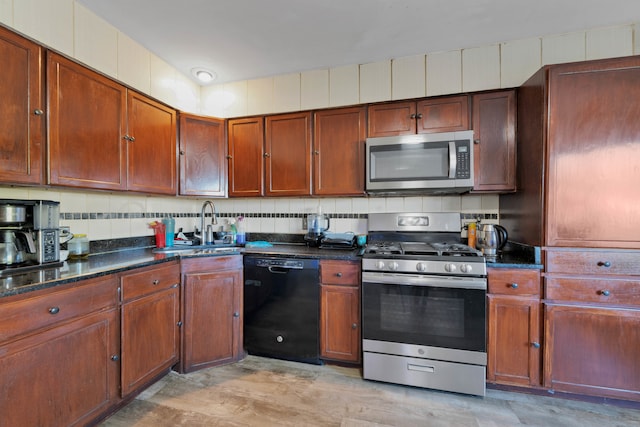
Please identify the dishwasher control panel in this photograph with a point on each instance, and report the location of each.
(283, 263)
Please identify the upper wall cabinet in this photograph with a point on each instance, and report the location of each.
(203, 164)
(288, 155)
(338, 151)
(104, 136)
(494, 128)
(21, 109)
(245, 140)
(442, 114)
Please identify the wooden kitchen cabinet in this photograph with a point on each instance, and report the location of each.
(440, 114)
(59, 354)
(22, 140)
(150, 324)
(514, 322)
(202, 150)
(287, 155)
(213, 312)
(340, 331)
(592, 322)
(338, 151)
(577, 155)
(494, 129)
(105, 136)
(245, 142)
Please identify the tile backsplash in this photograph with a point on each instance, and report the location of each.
(112, 215)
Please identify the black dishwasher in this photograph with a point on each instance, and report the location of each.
(281, 308)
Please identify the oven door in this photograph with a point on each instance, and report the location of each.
(430, 311)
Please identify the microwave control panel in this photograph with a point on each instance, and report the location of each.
(463, 159)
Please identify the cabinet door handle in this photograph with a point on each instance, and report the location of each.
(413, 116)
(605, 264)
(419, 115)
(354, 326)
(179, 324)
(267, 155)
(535, 344)
(316, 152)
(155, 282)
(182, 152)
(236, 314)
(229, 156)
(38, 112)
(476, 141)
(513, 286)
(339, 274)
(115, 358)
(54, 310)
(605, 292)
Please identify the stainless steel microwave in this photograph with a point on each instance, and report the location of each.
(425, 163)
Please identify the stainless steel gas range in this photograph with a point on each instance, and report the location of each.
(423, 304)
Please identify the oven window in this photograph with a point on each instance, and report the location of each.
(414, 162)
(430, 316)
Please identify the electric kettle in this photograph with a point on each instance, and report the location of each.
(491, 238)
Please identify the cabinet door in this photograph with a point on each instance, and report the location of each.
(288, 155)
(392, 119)
(150, 337)
(514, 341)
(151, 146)
(494, 118)
(65, 376)
(338, 162)
(246, 163)
(87, 124)
(592, 350)
(203, 163)
(21, 109)
(446, 114)
(340, 322)
(593, 152)
(213, 319)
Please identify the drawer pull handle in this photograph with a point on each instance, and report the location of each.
(605, 292)
(514, 286)
(354, 326)
(155, 282)
(606, 264)
(115, 358)
(236, 314)
(535, 344)
(54, 310)
(339, 274)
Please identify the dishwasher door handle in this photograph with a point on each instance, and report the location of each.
(278, 270)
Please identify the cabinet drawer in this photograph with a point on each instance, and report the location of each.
(516, 282)
(30, 314)
(604, 291)
(593, 262)
(340, 273)
(149, 280)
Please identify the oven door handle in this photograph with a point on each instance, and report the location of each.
(425, 280)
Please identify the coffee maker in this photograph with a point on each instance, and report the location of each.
(317, 224)
(29, 233)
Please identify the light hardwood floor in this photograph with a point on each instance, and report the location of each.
(269, 392)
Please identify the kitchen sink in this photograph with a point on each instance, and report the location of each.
(197, 250)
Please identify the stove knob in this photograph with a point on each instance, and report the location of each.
(450, 268)
(466, 268)
(379, 265)
(421, 266)
(393, 266)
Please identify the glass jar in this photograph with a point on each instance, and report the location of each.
(78, 246)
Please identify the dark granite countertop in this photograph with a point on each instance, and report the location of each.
(516, 255)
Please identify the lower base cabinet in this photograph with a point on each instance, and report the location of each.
(67, 372)
(514, 347)
(212, 298)
(340, 332)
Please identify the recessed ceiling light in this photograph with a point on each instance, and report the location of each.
(203, 75)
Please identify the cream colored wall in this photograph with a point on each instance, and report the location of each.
(70, 28)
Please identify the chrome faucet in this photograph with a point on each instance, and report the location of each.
(214, 221)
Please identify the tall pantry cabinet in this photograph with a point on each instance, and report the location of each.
(577, 198)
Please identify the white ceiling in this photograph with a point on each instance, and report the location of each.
(247, 39)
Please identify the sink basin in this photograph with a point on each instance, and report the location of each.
(196, 250)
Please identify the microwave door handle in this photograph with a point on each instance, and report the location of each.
(453, 160)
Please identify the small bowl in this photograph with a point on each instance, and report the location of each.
(64, 254)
